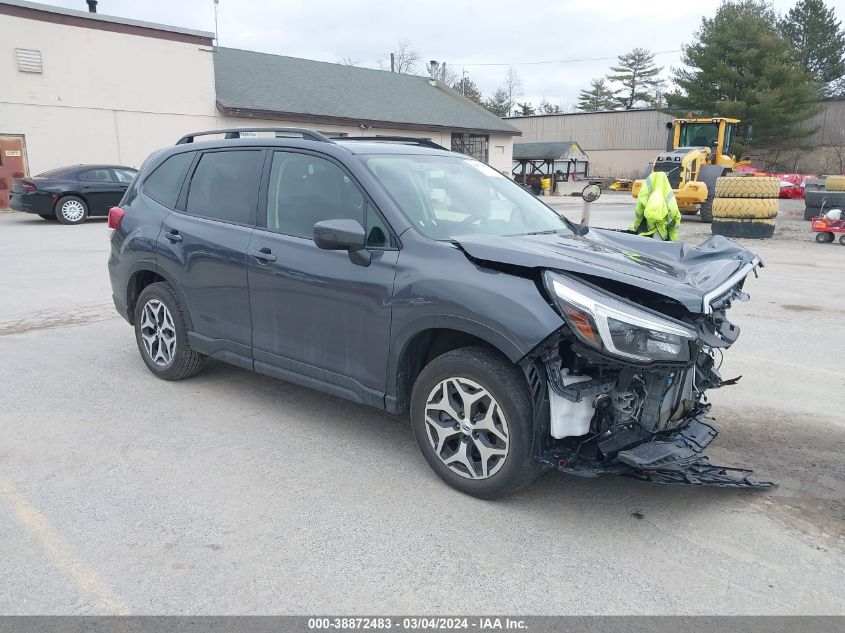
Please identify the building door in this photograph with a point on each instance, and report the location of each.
(12, 165)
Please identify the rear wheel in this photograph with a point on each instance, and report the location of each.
(842, 239)
(161, 334)
(71, 210)
(472, 419)
(823, 237)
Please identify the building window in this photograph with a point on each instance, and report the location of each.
(475, 145)
(29, 61)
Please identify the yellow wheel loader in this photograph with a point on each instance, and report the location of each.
(698, 151)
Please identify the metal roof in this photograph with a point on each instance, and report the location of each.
(258, 84)
(99, 17)
(562, 150)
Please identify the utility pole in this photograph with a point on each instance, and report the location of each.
(392, 61)
(463, 81)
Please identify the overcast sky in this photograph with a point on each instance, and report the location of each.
(466, 34)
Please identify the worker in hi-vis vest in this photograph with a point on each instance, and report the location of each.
(657, 210)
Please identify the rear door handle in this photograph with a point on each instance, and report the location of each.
(263, 255)
(173, 236)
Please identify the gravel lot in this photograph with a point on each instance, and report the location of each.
(235, 493)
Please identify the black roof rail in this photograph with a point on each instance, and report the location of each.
(235, 132)
(407, 140)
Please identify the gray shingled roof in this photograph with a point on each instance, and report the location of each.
(100, 17)
(246, 80)
(561, 150)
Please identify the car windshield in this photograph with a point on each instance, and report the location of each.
(447, 196)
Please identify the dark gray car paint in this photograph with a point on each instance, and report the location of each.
(673, 269)
(317, 318)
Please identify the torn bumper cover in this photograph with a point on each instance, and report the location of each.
(626, 384)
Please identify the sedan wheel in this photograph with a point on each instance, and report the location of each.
(71, 210)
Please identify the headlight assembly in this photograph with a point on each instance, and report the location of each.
(616, 327)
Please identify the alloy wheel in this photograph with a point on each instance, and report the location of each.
(158, 333)
(72, 210)
(466, 428)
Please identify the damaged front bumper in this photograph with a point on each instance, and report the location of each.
(605, 415)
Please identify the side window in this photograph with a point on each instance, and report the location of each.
(96, 175)
(225, 186)
(305, 189)
(124, 175)
(165, 183)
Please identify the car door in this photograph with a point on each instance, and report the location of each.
(318, 318)
(100, 189)
(203, 244)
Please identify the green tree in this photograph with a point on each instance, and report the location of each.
(467, 88)
(741, 66)
(547, 108)
(819, 41)
(597, 97)
(499, 103)
(639, 78)
(525, 109)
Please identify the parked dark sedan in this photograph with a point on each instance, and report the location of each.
(71, 194)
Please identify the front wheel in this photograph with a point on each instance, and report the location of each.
(71, 210)
(162, 336)
(472, 419)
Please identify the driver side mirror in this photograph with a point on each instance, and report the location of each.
(343, 235)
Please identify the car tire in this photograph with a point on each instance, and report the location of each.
(71, 210)
(842, 239)
(500, 419)
(161, 334)
(748, 228)
(826, 199)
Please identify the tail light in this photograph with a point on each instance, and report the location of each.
(28, 187)
(115, 217)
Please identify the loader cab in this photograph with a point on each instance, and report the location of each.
(716, 133)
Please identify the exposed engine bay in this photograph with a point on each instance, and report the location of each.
(626, 387)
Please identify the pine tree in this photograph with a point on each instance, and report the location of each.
(819, 41)
(597, 97)
(639, 78)
(741, 66)
(499, 103)
(525, 109)
(467, 88)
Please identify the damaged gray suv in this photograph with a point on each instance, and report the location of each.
(419, 281)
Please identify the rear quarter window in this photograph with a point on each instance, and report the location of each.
(165, 183)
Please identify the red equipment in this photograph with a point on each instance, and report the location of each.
(825, 230)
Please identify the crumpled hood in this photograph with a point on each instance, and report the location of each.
(680, 271)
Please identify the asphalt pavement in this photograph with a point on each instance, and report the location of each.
(233, 493)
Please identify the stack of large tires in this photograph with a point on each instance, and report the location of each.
(745, 206)
(821, 201)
